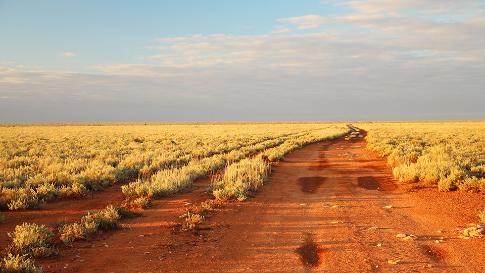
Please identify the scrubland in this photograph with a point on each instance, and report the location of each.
(450, 155)
(41, 163)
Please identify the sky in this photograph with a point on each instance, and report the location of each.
(224, 60)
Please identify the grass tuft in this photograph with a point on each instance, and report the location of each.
(15, 263)
(32, 239)
(92, 222)
(239, 179)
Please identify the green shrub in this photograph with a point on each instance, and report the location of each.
(32, 239)
(18, 264)
(127, 213)
(208, 205)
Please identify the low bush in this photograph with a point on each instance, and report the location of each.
(25, 199)
(239, 179)
(70, 232)
(446, 185)
(105, 219)
(93, 221)
(32, 239)
(15, 263)
(191, 220)
(141, 202)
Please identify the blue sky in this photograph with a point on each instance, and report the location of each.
(64, 61)
(122, 31)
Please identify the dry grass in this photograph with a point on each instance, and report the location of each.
(170, 181)
(92, 222)
(40, 163)
(248, 175)
(241, 178)
(450, 155)
(191, 220)
(18, 264)
(33, 240)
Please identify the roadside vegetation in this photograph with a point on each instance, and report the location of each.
(29, 241)
(32, 240)
(450, 155)
(92, 222)
(241, 178)
(18, 264)
(41, 163)
(170, 181)
(248, 175)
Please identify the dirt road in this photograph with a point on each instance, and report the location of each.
(329, 207)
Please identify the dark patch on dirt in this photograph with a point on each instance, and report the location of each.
(368, 183)
(309, 252)
(310, 184)
(319, 166)
(434, 253)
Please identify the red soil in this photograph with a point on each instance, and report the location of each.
(322, 210)
(59, 210)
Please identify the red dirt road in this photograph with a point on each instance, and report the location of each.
(323, 210)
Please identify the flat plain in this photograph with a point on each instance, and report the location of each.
(243, 197)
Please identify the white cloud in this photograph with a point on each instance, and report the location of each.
(68, 54)
(279, 30)
(307, 21)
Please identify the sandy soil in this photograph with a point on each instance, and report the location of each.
(326, 208)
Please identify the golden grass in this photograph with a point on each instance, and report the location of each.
(40, 163)
(105, 219)
(248, 175)
(450, 155)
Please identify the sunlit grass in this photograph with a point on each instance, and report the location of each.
(448, 154)
(41, 163)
